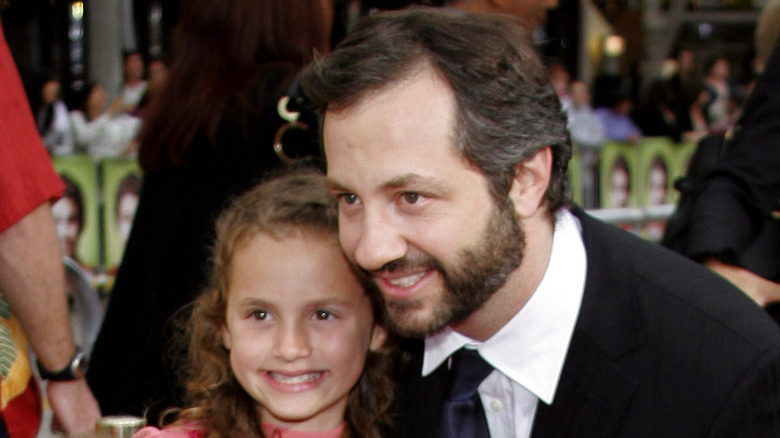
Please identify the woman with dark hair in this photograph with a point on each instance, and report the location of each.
(100, 129)
(51, 116)
(208, 136)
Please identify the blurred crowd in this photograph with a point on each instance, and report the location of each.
(85, 122)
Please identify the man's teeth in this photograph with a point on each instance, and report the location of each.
(408, 280)
(293, 380)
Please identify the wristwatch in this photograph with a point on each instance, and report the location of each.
(74, 370)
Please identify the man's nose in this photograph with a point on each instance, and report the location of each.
(380, 242)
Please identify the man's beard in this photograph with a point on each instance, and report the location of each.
(480, 271)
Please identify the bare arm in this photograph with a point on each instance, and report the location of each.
(32, 279)
(758, 288)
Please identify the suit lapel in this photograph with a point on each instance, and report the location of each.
(594, 391)
(420, 400)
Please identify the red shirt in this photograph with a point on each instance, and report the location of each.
(27, 177)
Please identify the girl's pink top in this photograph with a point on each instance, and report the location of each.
(169, 432)
(272, 431)
(269, 430)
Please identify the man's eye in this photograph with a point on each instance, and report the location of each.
(411, 197)
(323, 315)
(348, 198)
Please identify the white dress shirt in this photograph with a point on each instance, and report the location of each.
(528, 352)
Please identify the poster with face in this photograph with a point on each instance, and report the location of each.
(76, 212)
(617, 169)
(655, 167)
(655, 173)
(657, 182)
(121, 191)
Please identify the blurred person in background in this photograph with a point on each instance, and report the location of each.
(158, 75)
(207, 137)
(561, 81)
(51, 116)
(102, 130)
(134, 86)
(587, 134)
(720, 107)
(658, 116)
(613, 104)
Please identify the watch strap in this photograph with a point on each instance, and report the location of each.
(74, 370)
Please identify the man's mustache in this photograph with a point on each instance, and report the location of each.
(407, 263)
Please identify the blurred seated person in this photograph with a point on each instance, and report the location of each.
(561, 81)
(696, 96)
(51, 117)
(584, 125)
(613, 108)
(103, 131)
(134, 86)
(717, 82)
(657, 115)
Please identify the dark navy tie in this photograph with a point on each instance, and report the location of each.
(463, 414)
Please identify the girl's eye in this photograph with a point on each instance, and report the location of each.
(323, 315)
(260, 315)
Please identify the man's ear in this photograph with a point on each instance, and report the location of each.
(378, 338)
(530, 183)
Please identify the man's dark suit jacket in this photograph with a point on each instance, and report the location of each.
(661, 348)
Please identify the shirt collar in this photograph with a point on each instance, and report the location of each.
(531, 348)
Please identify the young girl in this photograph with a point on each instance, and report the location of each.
(286, 342)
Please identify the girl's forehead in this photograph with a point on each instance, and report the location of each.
(302, 268)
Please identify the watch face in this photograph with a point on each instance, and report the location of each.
(81, 363)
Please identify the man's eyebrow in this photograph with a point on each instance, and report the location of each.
(411, 179)
(401, 181)
(334, 185)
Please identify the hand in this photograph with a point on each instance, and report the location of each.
(131, 149)
(116, 107)
(756, 287)
(74, 406)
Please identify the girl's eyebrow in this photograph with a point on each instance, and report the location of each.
(254, 301)
(330, 302)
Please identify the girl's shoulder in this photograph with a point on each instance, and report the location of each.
(169, 432)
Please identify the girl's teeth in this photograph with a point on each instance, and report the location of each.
(407, 281)
(293, 380)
